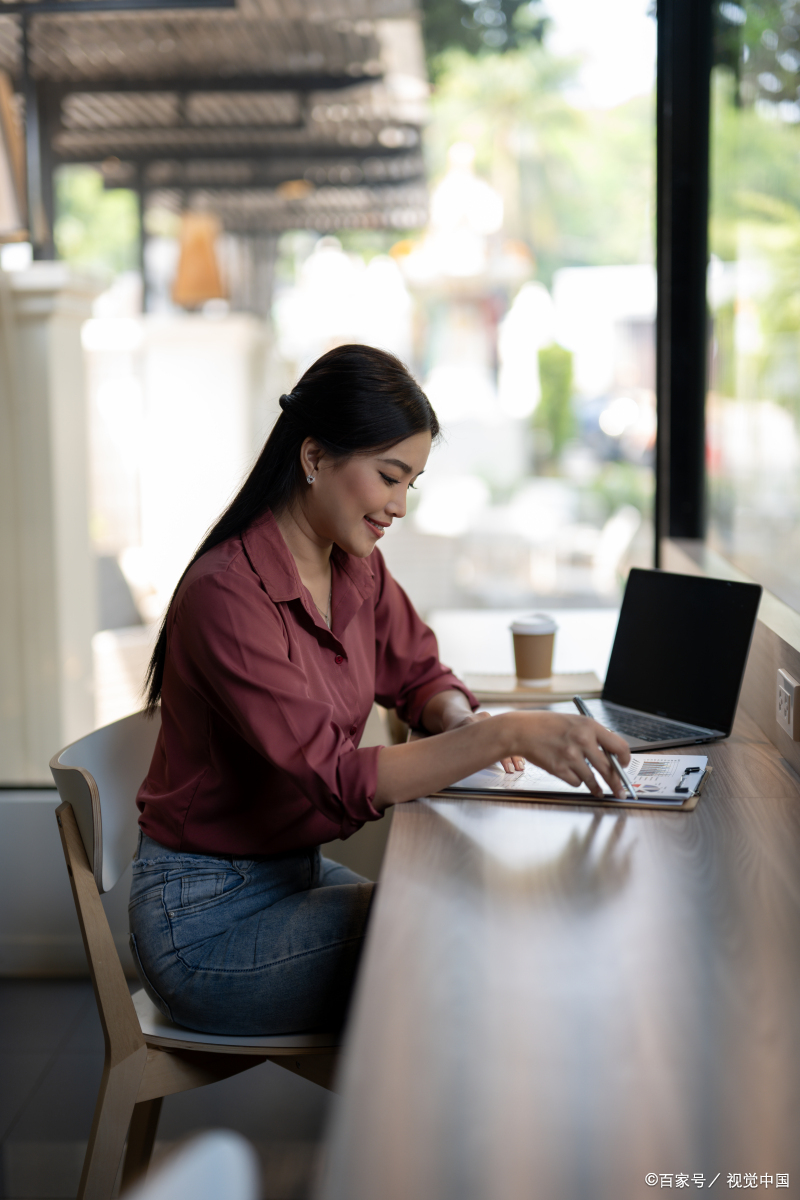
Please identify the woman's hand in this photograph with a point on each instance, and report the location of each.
(451, 710)
(510, 764)
(565, 744)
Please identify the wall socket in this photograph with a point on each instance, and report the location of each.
(786, 705)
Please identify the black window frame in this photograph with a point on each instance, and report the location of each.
(683, 110)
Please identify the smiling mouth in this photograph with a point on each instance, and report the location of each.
(379, 529)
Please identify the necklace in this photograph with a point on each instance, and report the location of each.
(326, 615)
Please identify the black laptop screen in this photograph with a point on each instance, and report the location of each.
(681, 647)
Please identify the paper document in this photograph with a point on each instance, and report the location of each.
(655, 778)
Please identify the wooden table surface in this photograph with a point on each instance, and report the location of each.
(555, 1002)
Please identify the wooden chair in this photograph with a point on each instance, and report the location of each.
(147, 1057)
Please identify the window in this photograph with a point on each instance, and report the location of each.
(753, 404)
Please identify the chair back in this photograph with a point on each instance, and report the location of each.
(107, 768)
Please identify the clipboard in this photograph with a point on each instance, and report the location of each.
(576, 798)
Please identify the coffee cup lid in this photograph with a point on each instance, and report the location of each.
(535, 623)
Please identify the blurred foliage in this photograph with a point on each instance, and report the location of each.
(723, 367)
(576, 184)
(759, 42)
(162, 222)
(754, 161)
(619, 483)
(95, 228)
(554, 412)
(479, 26)
(367, 243)
(755, 222)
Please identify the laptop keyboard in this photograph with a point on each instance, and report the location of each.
(640, 725)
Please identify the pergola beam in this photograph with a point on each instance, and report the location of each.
(143, 132)
(243, 172)
(237, 153)
(215, 185)
(35, 8)
(289, 81)
(207, 185)
(333, 155)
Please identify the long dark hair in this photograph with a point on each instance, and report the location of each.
(352, 400)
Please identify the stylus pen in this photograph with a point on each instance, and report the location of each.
(581, 707)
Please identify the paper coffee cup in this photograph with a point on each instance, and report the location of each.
(533, 649)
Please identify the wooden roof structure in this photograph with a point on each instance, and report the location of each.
(274, 114)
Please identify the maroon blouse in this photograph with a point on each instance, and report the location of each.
(263, 706)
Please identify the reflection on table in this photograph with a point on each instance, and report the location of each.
(558, 1003)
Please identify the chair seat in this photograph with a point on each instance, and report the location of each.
(159, 1031)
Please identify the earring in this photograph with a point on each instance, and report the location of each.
(309, 478)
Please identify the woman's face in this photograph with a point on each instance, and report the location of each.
(353, 503)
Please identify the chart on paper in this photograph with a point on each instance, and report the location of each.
(657, 777)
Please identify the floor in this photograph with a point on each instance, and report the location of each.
(51, 1058)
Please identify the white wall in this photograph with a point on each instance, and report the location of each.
(39, 932)
(178, 411)
(47, 586)
(201, 383)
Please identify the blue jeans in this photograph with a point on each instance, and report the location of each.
(243, 946)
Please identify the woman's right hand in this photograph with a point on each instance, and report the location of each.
(561, 743)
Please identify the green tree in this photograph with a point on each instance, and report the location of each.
(479, 26)
(751, 155)
(577, 185)
(95, 228)
(759, 42)
(755, 220)
(554, 411)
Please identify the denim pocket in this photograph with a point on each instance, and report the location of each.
(147, 883)
(202, 903)
(199, 886)
(191, 890)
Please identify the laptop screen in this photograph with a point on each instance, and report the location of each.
(681, 647)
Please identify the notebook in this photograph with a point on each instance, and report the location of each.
(678, 659)
(660, 780)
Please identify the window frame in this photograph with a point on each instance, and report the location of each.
(683, 111)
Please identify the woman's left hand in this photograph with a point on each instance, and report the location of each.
(509, 765)
(450, 710)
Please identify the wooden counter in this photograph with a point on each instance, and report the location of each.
(555, 1002)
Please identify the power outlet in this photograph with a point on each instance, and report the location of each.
(786, 708)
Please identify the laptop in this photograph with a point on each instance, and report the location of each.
(678, 659)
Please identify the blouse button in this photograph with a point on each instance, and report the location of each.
(339, 660)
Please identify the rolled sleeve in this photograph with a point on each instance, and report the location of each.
(230, 646)
(408, 671)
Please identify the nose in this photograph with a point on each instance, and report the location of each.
(397, 505)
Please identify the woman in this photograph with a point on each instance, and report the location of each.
(283, 630)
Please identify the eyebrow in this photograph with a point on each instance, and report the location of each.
(397, 462)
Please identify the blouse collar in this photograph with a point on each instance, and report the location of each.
(272, 561)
